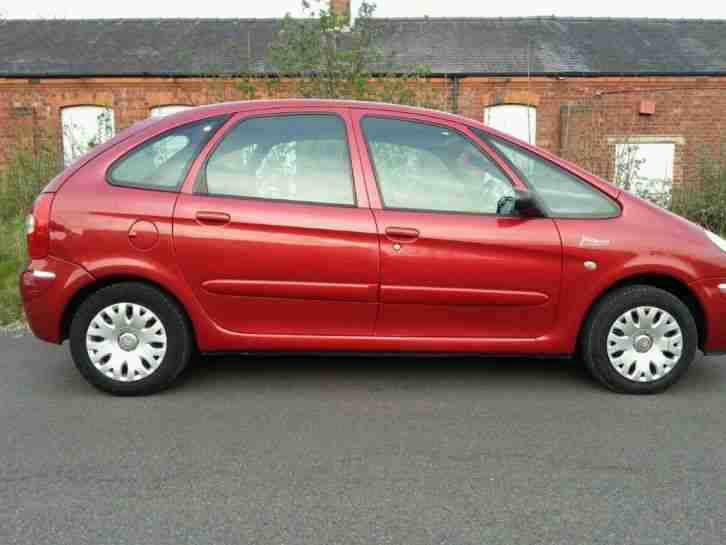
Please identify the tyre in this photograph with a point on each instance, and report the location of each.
(639, 340)
(130, 339)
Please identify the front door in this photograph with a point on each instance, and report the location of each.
(450, 265)
(272, 240)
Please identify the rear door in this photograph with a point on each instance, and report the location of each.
(450, 265)
(275, 237)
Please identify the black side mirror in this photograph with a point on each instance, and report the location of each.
(523, 204)
(527, 205)
(506, 206)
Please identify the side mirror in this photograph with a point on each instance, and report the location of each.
(523, 204)
(527, 205)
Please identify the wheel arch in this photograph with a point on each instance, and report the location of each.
(668, 283)
(88, 290)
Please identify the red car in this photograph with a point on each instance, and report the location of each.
(345, 226)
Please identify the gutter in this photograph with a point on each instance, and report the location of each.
(440, 75)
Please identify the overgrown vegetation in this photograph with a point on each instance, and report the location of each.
(31, 165)
(703, 200)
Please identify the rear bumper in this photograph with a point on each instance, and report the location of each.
(47, 286)
(712, 294)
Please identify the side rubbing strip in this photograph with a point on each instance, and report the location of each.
(322, 291)
(425, 295)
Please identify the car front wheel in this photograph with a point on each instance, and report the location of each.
(130, 339)
(639, 340)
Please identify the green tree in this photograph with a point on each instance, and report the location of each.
(325, 56)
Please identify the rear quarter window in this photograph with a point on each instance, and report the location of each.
(163, 161)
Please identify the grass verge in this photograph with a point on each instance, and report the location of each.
(12, 260)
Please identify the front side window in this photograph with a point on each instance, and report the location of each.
(84, 127)
(564, 194)
(420, 166)
(162, 163)
(301, 158)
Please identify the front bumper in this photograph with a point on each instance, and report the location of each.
(47, 286)
(712, 294)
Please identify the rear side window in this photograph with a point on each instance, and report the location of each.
(163, 162)
(564, 194)
(302, 158)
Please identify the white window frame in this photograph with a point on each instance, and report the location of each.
(518, 120)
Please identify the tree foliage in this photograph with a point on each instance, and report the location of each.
(325, 56)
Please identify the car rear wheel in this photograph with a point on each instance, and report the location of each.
(130, 339)
(639, 340)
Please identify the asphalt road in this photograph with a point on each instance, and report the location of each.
(346, 451)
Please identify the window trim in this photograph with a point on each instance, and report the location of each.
(374, 169)
(201, 178)
(150, 141)
(491, 139)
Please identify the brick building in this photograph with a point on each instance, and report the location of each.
(582, 88)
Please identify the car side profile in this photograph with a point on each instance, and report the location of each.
(341, 226)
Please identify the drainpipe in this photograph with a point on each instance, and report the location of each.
(454, 90)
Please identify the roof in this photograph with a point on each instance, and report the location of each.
(513, 46)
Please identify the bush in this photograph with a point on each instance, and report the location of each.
(703, 200)
(25, 174)
(31, 166)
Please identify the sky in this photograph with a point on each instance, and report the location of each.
(66, 9)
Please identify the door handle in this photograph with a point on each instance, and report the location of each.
(401, 234)
(213, 218)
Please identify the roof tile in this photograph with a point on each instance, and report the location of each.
(494, 46)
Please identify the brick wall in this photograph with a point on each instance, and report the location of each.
(579, 118)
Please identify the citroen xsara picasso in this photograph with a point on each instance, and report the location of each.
(343, 226)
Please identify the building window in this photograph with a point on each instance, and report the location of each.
(644, 166)
(514, 119)
(83, 128)
(161, 111)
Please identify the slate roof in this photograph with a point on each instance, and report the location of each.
(495, 46)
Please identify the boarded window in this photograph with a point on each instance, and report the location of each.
(514, 119)
(83, 128)
(646, 169)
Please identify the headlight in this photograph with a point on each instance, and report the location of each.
(717, 240)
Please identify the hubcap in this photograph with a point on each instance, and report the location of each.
(645, 344)
(642, 343)
(126, 342)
